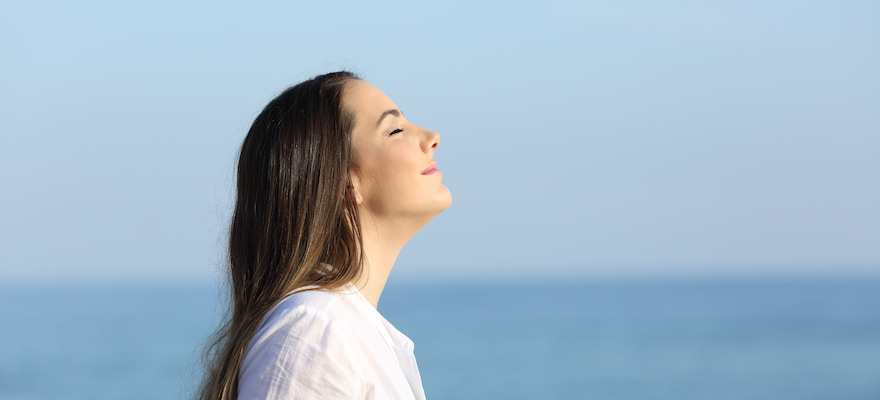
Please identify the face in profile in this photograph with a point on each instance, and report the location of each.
(395, 176)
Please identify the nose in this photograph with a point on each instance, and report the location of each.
(430, 141)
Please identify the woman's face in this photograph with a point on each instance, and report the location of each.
(395, 176)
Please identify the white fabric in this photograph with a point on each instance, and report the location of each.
(321, 344)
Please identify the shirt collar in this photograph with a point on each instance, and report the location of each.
(395, 338)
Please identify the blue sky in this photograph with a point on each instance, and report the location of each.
(579, 138)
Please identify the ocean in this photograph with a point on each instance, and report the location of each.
(590, 339)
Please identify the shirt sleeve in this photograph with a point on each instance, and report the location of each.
(300, 356)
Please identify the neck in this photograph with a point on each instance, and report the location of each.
(382, 245)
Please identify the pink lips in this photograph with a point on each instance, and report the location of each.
(431, 169)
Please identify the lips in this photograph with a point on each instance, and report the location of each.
(431, 169)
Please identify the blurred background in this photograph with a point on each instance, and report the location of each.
(651, 199)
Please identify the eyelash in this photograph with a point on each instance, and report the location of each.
(395, 131)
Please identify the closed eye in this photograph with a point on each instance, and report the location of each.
(398, 130)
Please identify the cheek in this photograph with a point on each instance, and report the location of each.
(396, 171)
(391, 177)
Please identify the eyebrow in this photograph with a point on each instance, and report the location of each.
(395, 112)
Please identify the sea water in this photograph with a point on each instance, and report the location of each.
(698, 339)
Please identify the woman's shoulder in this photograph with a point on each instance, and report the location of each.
(306, 320)
(312, 303)
(301, 349)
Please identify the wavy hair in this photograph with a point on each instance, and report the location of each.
(294, 217)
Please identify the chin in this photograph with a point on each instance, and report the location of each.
(437, 208)
(447, 200)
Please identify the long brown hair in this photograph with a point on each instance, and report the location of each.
(294, 216)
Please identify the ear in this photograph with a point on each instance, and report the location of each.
(354, 188)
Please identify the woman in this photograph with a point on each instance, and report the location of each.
(333, 181)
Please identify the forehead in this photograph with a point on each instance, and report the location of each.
(366, 100)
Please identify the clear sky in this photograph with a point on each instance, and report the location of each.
(579, 138)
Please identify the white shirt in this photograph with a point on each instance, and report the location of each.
(321, 344)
